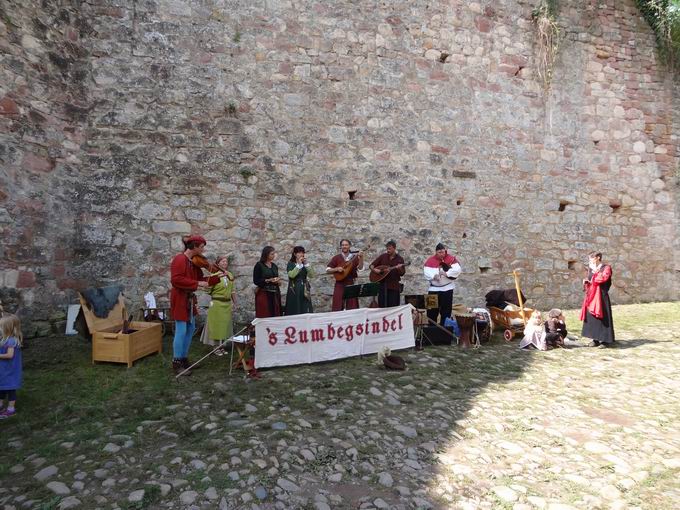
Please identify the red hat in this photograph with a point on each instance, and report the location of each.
(196, 239)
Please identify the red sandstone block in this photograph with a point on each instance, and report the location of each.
(383, 155)
(663, 158)
(71, 34)
(483, 24)
(438, 75)
(514, 60)
(440, 150)
(58, 271)
(26, 280)
(8, 106)
(509, 69)
(72, 283)
(257, 223)
(36, 163)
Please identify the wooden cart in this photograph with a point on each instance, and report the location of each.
(504, 319)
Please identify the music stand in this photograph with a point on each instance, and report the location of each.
(360, 290)
(422, 303)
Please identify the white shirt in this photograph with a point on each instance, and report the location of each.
(438, 278)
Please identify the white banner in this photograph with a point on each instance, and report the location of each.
(312, 337)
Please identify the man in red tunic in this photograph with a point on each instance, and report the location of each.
(185, 279)
(337, 265)
(391, 264)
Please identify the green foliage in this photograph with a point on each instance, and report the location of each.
(664, 18)
(237, 37)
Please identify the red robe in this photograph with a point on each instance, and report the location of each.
(184, 278)
(338, 291)
(592, 302)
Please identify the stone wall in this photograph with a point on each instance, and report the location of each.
(126, 124)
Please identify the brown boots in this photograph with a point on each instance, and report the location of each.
(180, 364)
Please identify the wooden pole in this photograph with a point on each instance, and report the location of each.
(519, 295)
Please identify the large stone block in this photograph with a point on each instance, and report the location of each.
(172, 227)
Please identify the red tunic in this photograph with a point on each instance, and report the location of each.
(184, 278)
(338, 291)
(592, 301)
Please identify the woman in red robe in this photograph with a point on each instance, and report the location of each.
(596, 312)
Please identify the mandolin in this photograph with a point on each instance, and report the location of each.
(384, 271)
(349, 265)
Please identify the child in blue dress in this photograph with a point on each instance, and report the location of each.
(10, 363)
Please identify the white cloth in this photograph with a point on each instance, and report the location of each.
(312, 337)
(534, 334)
(439, 279)
(150, 301)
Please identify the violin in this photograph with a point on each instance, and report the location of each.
(202, 262)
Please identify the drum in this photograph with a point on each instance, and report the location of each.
(466, 321)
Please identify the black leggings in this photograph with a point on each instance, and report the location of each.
(11, 395)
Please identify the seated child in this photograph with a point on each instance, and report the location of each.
(555, 328)
(534, 333)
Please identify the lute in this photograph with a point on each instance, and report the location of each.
(349, 266)
(384, 271)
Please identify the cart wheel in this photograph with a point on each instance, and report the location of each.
(508, 335)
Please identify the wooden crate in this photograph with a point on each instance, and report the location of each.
(110, 345)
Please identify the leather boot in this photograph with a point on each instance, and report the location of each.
(176, 366)
(187, 364)
(181, 366)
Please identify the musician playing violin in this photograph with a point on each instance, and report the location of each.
(441, 269)
(337, 265)
(186, 278)
(392, 263)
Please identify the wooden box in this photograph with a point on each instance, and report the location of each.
(108, 344)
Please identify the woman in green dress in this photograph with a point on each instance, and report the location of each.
(298, 298)
(220, 326)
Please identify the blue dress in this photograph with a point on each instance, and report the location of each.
(10, 369)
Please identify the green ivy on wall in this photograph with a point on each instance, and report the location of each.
(664, 18)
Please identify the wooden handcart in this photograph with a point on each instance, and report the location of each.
(504, 318)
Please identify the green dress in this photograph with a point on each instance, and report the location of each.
(298, 298)
(220, 326)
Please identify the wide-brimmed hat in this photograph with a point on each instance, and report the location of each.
(394, 363)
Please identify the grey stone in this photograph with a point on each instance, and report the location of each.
(136, 496)
(59, 488)
(198, 464)
(279, 426)
(505, 494)
(287, 485)
(111, 448)
(211, 493)
(385, 479)
(69, 502)
(261, 493)
(188, 497)
(45, 473)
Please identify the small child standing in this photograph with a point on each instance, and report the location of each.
(10, 363)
